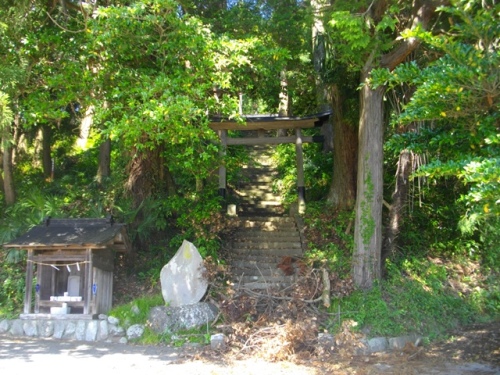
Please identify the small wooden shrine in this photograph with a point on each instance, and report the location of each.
(69, 271)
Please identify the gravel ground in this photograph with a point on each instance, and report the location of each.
(25, 356)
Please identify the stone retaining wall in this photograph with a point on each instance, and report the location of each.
(105, 329)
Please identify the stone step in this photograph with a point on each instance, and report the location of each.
(255, 205)
(265, 221)
(249, 211)
(266, 252)
(259, 259)
(247, 186)
(266, 233)
(258, 168)
(264, 180)
(256, 285)
(255, 264)
(261, 236)
(264, 279)
(255, 245)
(259, 272)
(262, 212)
(277, 219)
(252, 195)
(266, 283)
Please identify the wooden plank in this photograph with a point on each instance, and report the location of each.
(29, 283)
(274, 124)
(46, 279)
(222, 167)
(103, 299)
(271, 140)
(87, 291)
(51, 247)
(104, 260)
(58, 316)
(54, 259)
(97, 297)
(300, 170)
(59, 303)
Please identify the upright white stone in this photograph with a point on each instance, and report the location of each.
(182, 282)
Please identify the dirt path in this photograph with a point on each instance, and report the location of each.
(25, 356)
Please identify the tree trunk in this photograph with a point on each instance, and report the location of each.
(46, 151)
(104, 170)
(8, 178)
(319, 54)
(284, 104)
(8, 173)
(399, 198)
(169, 182)
(199, 184)
(342, 192)
(2, 190)
(368, 224)
(85, 126)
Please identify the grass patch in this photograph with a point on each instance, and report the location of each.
(415, 298)
(424, 292)
(137, 311)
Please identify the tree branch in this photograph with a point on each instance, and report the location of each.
(423, 13)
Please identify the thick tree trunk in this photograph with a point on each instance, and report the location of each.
(46, 151)
(342, 192)
(399, 198)
(368, 224)
(104, 170)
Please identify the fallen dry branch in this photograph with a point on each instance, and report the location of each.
(275, 323)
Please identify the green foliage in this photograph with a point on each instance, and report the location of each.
(456, 103)
(414, 299)
(354, 35)
(186, 337)
(317, 172)
(6, 116)
(331, 242)
(199, 219)
(137, 311)
(13, 284)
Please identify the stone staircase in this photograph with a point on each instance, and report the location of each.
(265, 243)
(254, 193)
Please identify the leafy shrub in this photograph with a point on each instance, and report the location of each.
(317, 172)
(12, 286)
(199, 219)
(330, 237)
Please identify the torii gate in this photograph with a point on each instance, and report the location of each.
(265, 123)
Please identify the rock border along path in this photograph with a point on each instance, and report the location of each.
(105, 329)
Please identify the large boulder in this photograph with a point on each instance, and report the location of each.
(169, 319)
(182, 281)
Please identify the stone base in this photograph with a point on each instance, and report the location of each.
(66, 329)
